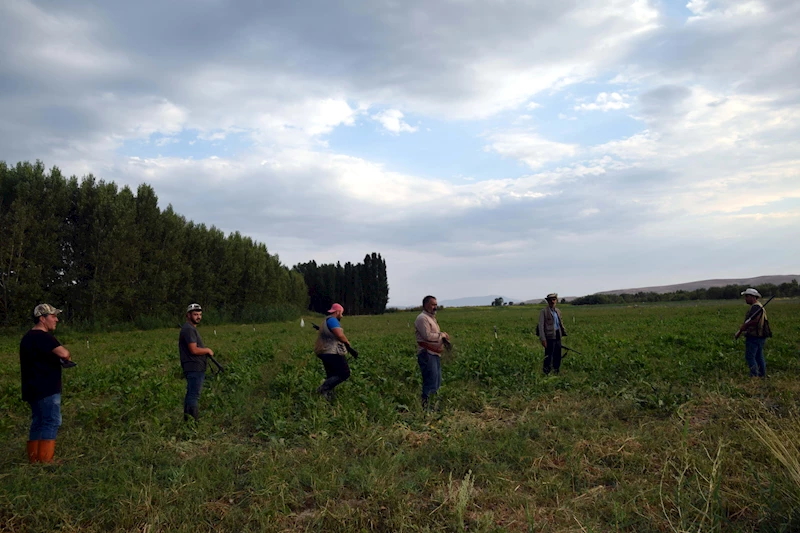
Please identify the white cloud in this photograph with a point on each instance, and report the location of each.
(530, 148)
(606, 102)
(392, 121)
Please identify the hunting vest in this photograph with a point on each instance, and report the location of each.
(327, 343)
(756, 327)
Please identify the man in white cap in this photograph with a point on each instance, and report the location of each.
(330, 347)
(756, 330)
(193, 360)
(40, 359)
(551, 329)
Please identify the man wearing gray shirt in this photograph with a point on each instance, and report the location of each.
(193, 360)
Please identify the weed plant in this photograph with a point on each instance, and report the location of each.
(655, 428)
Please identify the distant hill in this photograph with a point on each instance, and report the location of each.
(472, 301)
(707, 283)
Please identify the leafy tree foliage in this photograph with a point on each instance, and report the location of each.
(106, 255)
(362, 289)
(728, 292)
(497, 302)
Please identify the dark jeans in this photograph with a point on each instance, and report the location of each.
(194, 384)
(552, 355)
(45, 418)
(754, 355)
(431, 367)
(336, 370)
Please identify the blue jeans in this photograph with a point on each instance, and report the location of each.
(45, 418)
(194, 384)
(754, 356)
(431, 367)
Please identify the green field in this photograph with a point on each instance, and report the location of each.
(656, 428)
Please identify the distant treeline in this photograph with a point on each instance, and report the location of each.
(362, 289)
(728, 292)
(107, 256)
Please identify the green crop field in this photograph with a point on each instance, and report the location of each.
(655, 428)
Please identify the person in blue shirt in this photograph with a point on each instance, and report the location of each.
(551, 329)
(330, 347)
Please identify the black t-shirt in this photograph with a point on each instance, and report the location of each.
(41, 368)
(189, 362)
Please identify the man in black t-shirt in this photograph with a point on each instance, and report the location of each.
(40, 359)
(193, 360)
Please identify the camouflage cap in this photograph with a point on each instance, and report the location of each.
(552, 296)
(44, 310)
(193, 307)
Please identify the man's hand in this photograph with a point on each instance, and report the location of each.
(210, 352)
(544, 343)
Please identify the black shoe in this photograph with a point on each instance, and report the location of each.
(326, 393)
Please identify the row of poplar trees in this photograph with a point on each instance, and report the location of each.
(362, 289)
(106, 255)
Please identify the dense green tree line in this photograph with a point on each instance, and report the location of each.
(362, 289)
(728, 292)
(106, 255)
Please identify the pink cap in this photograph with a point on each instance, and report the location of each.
(336, 307)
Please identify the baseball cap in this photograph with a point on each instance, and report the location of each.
(193, 307)
(336, 307)
(752, 292)
(45, 309)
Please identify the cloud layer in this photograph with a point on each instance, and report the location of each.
(331, 130)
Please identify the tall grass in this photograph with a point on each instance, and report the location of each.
(648, 431)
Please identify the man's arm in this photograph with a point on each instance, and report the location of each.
(340, 336)
(62, 352)
(542, 336)
(195, 350)
(753, 314)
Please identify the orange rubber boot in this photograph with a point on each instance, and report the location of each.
(47, 448)
(33, 451)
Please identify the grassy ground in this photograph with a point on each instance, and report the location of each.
(656, 428)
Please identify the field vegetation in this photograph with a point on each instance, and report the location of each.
(656, 427)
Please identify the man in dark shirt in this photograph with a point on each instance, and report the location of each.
(551, 329)
(193, 360)
(755, 334)
(40, 359)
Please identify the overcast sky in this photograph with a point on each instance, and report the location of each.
(482, 147)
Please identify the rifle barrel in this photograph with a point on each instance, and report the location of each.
(219, 366)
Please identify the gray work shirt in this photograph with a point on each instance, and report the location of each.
(189, 362)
